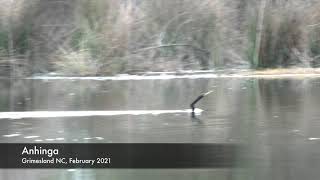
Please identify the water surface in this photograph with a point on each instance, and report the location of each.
(277, 119)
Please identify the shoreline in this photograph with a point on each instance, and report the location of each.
(186, 74)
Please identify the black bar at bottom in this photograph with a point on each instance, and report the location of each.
(114, 155)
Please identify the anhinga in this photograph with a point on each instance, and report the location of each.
(196, 100)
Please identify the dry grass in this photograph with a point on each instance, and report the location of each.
(80, 63)
(313, 28)
(112, 36)
(284, 39)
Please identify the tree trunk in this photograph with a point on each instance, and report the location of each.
(259, 32)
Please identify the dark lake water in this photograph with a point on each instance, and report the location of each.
(276, 119)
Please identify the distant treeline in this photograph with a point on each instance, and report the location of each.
(103, 37)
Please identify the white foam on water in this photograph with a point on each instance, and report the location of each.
(31, 137)
(168, 76)
(99, 138)
(54, 114)
(87, 138)
(11, 135)
(129, 77)
(313, 139)
(71, 170)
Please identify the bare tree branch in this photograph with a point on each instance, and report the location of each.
(171, 45)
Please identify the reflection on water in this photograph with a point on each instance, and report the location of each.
(276, 119)
(51, 114)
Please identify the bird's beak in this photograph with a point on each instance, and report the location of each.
(207, 93)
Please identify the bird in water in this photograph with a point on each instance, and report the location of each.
(192, 105)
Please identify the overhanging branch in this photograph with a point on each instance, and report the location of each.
(171, 45)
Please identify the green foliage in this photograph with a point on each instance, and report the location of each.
(314, 46)
(252, 42)
(21, 43)
(3, 41)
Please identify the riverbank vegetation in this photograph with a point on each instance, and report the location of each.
(105, 37)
